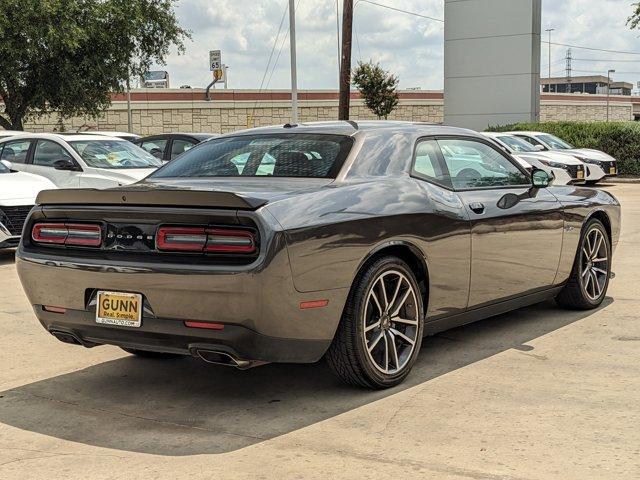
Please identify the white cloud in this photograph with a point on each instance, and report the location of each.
(411, 47)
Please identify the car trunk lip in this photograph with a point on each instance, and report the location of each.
(234, 193)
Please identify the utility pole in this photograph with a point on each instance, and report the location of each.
(294, 67)
(549, 30)
(338, 39)
(609, 90)
(345, 66)
(569, 70)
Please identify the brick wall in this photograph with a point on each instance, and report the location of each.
(172, 111)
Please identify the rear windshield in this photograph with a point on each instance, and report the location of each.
(281, 155)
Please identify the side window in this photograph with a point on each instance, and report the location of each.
(180, 146)
(474, 164)
(155, 148)
(427, 163)
(47, 153)
(16, 151)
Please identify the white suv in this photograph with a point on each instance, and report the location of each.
(75, 161)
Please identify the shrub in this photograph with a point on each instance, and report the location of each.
(621, 140)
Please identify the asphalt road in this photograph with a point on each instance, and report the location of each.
(539, 393)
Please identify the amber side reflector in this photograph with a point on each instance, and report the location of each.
(48, 308)
(206, 325)
(313, 304)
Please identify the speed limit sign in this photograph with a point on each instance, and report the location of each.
(215, 60)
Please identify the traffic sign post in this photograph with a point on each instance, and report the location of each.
(215, 65)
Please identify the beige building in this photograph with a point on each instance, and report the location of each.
(171, 110)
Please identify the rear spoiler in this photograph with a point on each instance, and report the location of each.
(164, 197)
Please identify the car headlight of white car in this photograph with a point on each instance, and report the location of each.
(551, 164)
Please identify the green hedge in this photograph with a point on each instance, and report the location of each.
(621, 140)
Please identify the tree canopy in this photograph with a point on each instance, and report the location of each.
(68, 56)
(634, 20)
(378, 87)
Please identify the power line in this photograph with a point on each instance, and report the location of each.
(587, 48)
(608, 60)
(601, 72)
(273, 49)
(401, 11)
(275, 63)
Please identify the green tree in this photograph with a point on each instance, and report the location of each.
(378, 87)
(68, 56)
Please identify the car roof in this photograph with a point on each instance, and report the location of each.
(497, 134)
(108, 133)
(197, 135)
(533, 134)
(59, 136)
(351, 128)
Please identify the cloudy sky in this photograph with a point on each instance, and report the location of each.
(410, 46)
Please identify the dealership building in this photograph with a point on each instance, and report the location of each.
(594, 84)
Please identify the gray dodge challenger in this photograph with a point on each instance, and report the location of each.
(340, 240)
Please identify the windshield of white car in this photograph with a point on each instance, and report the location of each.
(266, 155)
(554, 142)
(114, 154)
(516, 144)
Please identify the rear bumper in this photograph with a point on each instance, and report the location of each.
(257, 304)
(172, 336)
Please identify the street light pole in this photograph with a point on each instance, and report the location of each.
(129, 115)
(294, 68)
(549, 30)
(609, 90)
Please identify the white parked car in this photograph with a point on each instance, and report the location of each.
(75, 161)
(599, 164)
(18, 192)
(565, 168)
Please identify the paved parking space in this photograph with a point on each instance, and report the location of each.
(536, 394)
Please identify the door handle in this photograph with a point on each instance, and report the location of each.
(477, 207)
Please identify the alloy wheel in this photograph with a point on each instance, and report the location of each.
(390, 322)
(594, 264)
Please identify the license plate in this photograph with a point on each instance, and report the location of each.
(119, 308)
(580, 174)
(612, 170)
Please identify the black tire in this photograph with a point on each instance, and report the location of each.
(348, 355)
(587, 290)
(149, 354)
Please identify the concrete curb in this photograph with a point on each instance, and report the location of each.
(622, 180)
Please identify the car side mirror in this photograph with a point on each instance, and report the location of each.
(7, 164)
(540, 178)
(65, 164)
(539, 148)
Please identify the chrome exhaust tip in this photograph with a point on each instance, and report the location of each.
(225, 359)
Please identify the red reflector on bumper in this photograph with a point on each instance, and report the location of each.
(48, 308)
(313, 304)
(206, 325)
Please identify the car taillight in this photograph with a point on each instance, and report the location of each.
(208, 240)
(79, 234)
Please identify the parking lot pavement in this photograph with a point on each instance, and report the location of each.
(540, 393)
